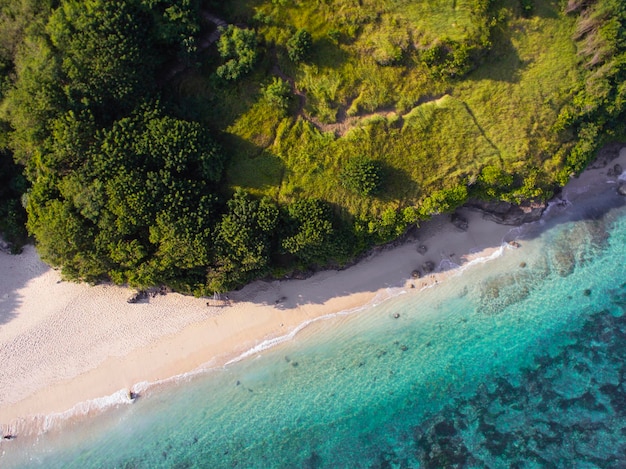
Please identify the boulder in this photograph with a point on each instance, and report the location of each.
(621, 189)
(615, 171)
(506, 213)
(459, 221)
(137, 297)
(428, 267)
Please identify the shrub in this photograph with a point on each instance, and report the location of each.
(278, 93)
(238, 47)
(362, 176)
(299, 45)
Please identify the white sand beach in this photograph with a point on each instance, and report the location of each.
(64, 343)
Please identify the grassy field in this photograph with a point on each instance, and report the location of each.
(368, 93)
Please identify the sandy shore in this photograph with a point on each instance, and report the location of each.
(65, 344)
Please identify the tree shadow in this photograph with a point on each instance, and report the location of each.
(502, 62)
(252, 166)
(327, 54)
(549, 9)
(397, 184)
(16, 271)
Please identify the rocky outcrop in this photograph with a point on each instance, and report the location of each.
(507, 213)
(459, 221)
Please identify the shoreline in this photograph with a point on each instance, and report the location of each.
(71, 349)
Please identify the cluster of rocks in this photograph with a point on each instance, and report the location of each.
(615, 172)
(571, 407)
(137, 296)
(459, 221)
(506, 213)
(142, 295)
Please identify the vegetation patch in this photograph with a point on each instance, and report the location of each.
(204, 145)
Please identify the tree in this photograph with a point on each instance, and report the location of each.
(443, 200)
(299, 45)
(141, 203)
(237, 47)
(105, 59)
(278, 93)
(362, 175)
(312, 240)
(242, 241)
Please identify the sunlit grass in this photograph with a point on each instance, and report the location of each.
(436, 134)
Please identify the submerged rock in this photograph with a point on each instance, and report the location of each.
(428, 267)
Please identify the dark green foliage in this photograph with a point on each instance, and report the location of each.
(311, 241)
(242, 242)
(448, 59)
(141, 204)
(103, 54)
(299, 45)
(362, 176)
(237, 47)
(527, 7)
(12, 214)
(278, 93)
(177, 24)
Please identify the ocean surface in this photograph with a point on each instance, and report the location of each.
(517, 361)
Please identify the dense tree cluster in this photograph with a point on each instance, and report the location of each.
(237, 46)
(120, 187)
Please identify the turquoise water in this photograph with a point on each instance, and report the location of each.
(516, 362)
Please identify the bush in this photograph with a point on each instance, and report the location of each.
(278, 93)
(238, 47)
(299, 45)
(362, 176)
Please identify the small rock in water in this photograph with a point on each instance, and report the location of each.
(396, 316)
(522, 264)
(587, 292)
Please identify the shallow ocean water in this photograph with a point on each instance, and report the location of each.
(515, 362)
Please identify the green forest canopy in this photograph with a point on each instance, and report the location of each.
(159, 149)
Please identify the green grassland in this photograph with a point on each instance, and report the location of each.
(367, 93)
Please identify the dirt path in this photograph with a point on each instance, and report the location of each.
(344, 122)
